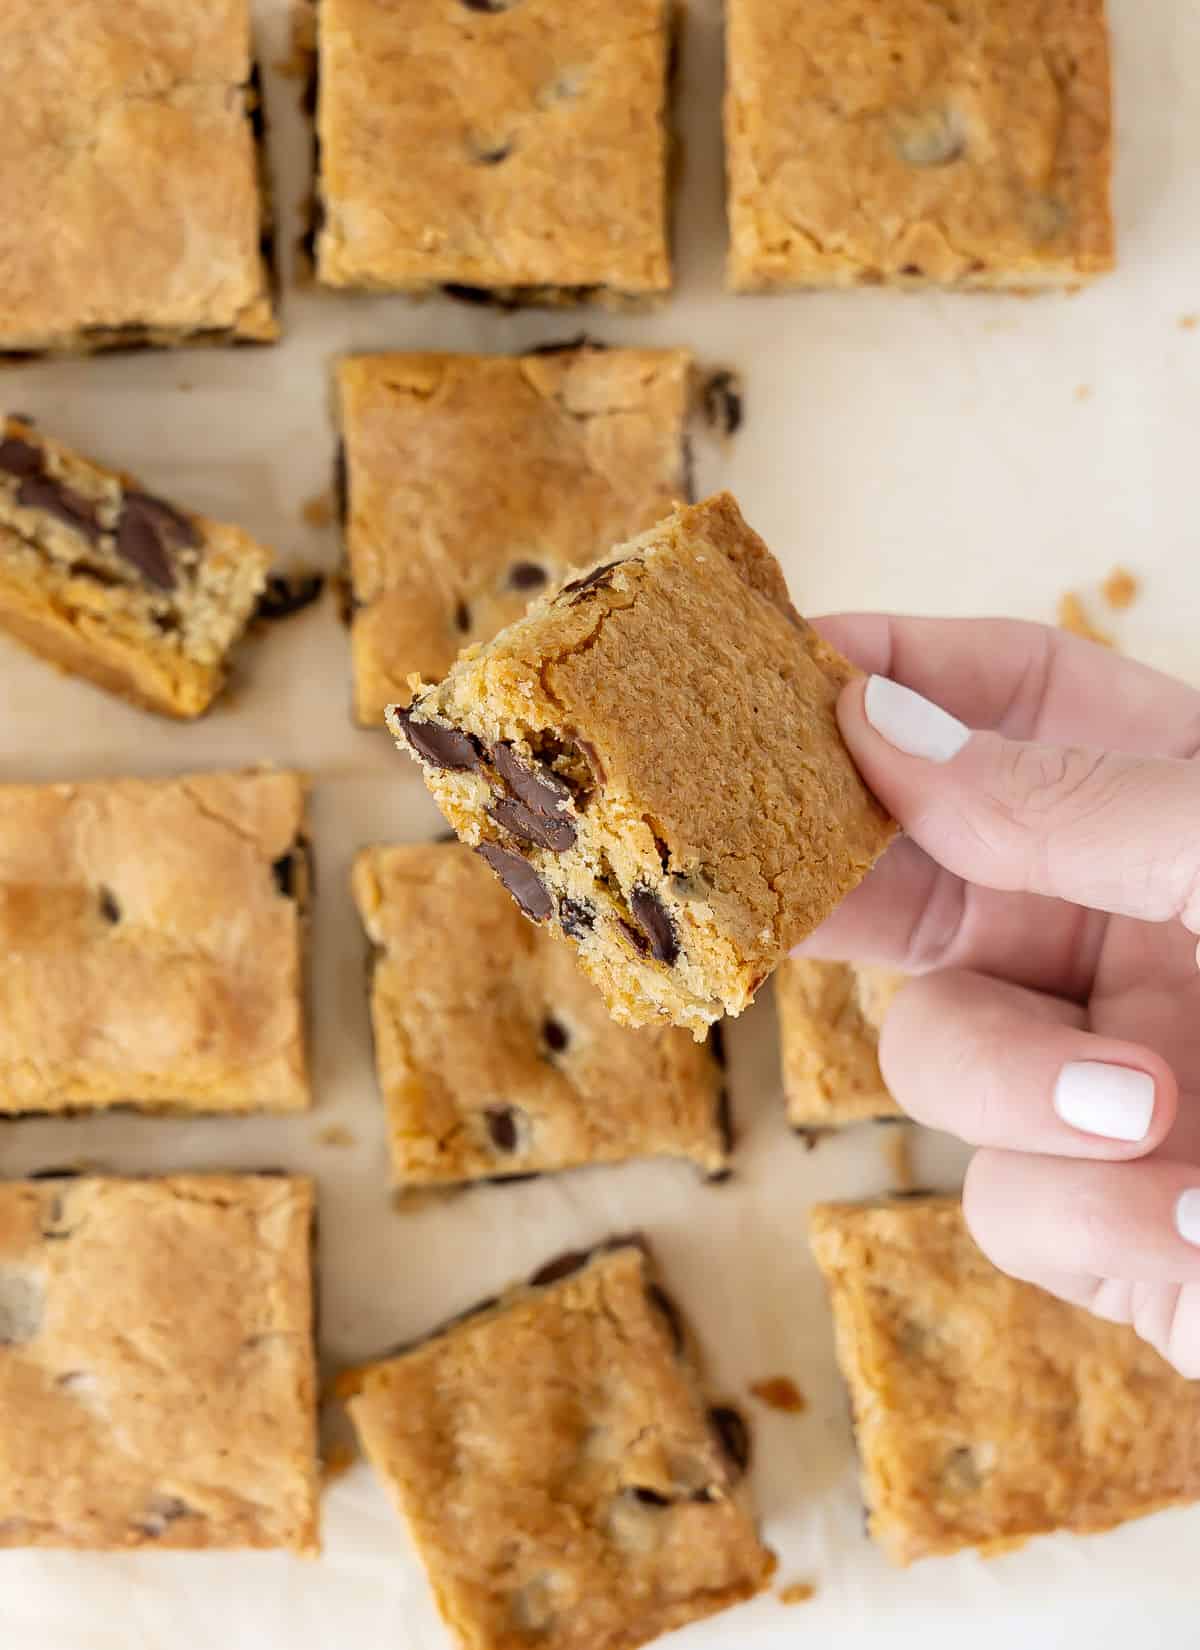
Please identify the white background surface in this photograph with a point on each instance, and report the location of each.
(921, 453)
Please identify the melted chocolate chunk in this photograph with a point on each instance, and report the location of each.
(648, 1497)
(284, 870)
(556, 834)
(733, 1435)
(578, 589)
(147, 532)
(18, 458)
(655, 922)
(716, 1044)
(526, 575)
(493, 156)
(441, 747)
(519, 877)
(554, 1035)
(492, 7)
(538, 788)
(561, 1267)
(457, 289)
(636, 938)
(462, 618)
(109, 909)
(42, 492)
(285, 595)
(723, 407)
(575, 918)
(502, 1126)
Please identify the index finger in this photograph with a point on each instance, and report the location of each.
(1028, 681)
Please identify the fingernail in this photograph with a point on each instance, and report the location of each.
(912, 724)
(1187, 1216)
(1113, 1101)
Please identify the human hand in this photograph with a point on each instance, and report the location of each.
(1048, 894)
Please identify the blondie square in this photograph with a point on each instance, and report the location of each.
(496, 1057)
(152, 934)
(518, 152)
(134, 210)
(651, 760)
(157, 1381)
(115, 584)
(963, 145)
(561, 1473)
(987, 1411)
(474, 482)
(830, 1017)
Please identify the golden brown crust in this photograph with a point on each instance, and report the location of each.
(986, 1411)
(692, 711)
(129, 173)
(157, 1381)
(830, 1016)
(473, 477)
(495, 147)
(153, 952)
(494, 1053)
(966, 145)
(516, 1444)
(70, 595)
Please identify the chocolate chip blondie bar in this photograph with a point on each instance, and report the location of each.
(963, 145)
(474, 482)
(135, 209)
(500, 151)
(558, 1467)
(157, 1379)
(110, 582)
(496, 1057)
(830, 1017)
(651, 759)
(152, 934)
(987, 1411)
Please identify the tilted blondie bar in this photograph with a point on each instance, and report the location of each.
(474, 482)
(830, 1017)
(987, 1411)
(152, 934)
(157, 1377)
(558, 1467)
(114, 584)
(964, 145)
(131, 172)
(652, 759)
(496, 1057)
(518, 152)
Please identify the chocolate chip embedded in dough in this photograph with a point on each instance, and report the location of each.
(42, 492)
(109, 909)
(733, 1435)
(147, 533)
(656, 924)
(502, 1127)
(554, 1035)
(576, 918)
(595, 580)
(556, 834)
(519, 877)
(538, 787)
(527, 575)
(19, 458)
(440, 746)
(286, 594)
(563, 1266)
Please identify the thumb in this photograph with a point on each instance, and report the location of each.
(1115, 832)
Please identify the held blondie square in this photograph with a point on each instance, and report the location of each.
(651, 760)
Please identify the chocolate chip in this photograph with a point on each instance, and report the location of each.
(512, 1179)
(554, 1035)
(462, 618)
(284, 870)
(733, 1435)
(502, 1126)
(147, 532)
(474, 294)
(655, 921)
(519, 877)
(492, 154)
(636, 938)
(648, 1497)
(492, 7)
(287, 594)
(556, 834)
(539, 788)
(664, 1305)
(526, 575)
(341, 484)
(716, 1044)
(440, 746)
(595, 580)
(722, 396)
(109, 909)
(575, 918)
(563, 1266)
(42, 492)
(19, 458)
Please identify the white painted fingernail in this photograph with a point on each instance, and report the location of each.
(1113, 1101)
(912, 724)
(1187, 1215)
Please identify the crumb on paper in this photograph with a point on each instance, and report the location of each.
(797, 1592)
(1120, 589)
(337, 1461)
(897, 1149)
(1073, 617)
(1084, 392)
(780, 1392)
(318, 510)
(1189, 323)
(723, 399)
(335, 1134)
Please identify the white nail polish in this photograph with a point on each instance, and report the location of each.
(912, 724)
(1187, 1216)
(1114, 1102)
